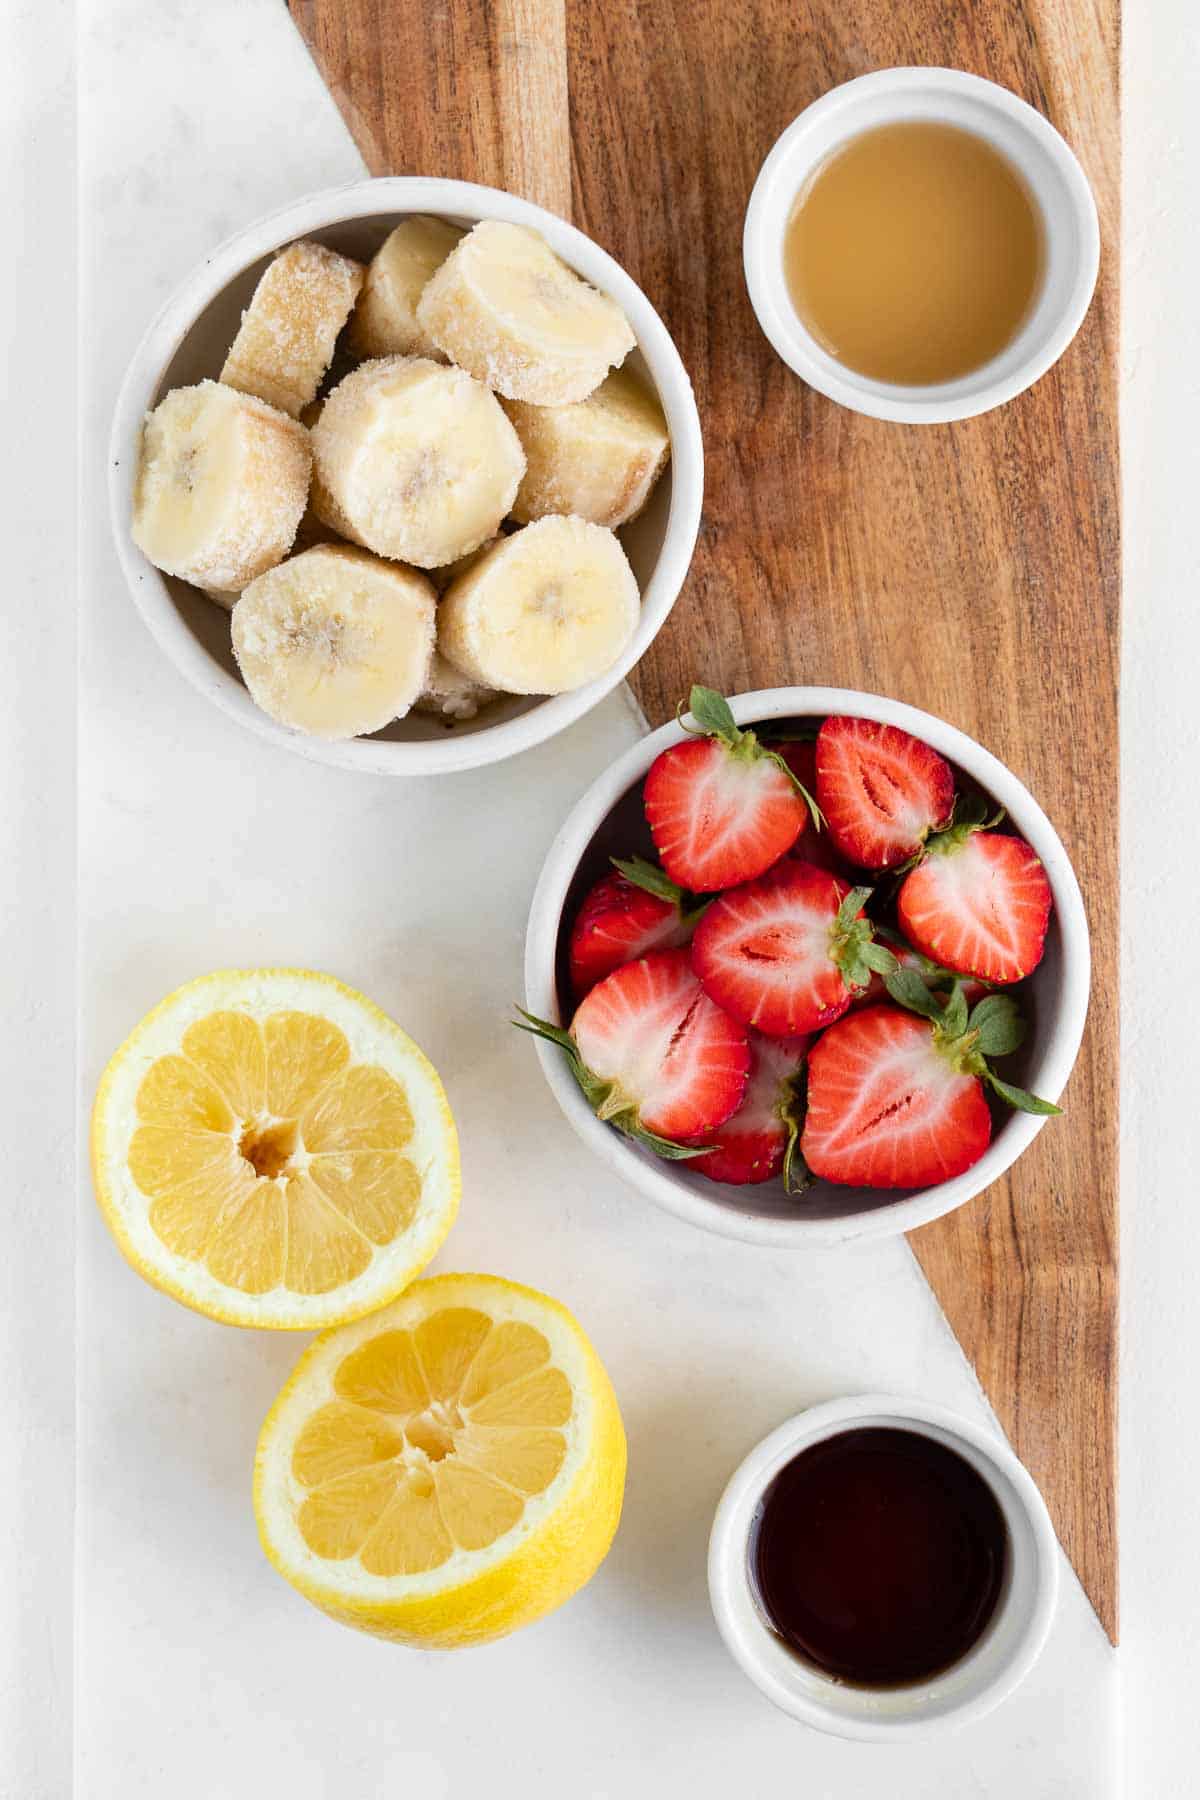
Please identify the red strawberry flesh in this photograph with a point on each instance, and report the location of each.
(765, 951)
(617, 923)
(980, 907)
(750, 1147)
(720, 815)
(651, 1030)
(886, 1109)
(881, 790)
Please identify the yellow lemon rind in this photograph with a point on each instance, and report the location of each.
(527, 1573)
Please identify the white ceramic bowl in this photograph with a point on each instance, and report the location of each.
(608, 821)
(188, 341)
(1010, 1645)
(1071, 234)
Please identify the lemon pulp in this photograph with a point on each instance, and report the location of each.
(447, 1470)
(272, 1149)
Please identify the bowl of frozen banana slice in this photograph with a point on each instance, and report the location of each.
(406, 476)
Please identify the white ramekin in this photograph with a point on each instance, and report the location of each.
(1058, 991)
(1011, 1643)
(1060, 188)
(188, 340)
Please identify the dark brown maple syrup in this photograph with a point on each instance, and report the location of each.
(878, 1556)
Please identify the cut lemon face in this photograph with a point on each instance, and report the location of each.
(447, 1470)
(270, 1149)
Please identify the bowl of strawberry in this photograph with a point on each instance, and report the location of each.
(808, 963)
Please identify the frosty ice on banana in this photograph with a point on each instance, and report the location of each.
(335, 642)
(385, 320)
(419, 460)
(543, 611)
(598, 459)
(221, 486)
(291, 325)
(504, 307)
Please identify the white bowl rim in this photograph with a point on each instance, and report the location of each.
(320, 211)
(655, 1179)
(728, 1546)
(796, 345)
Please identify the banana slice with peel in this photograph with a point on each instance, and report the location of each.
(504, 307)
(598, 459)
(543, 611)
(291, 325)
(384, 322)
(221, 485)
(335, 642)
(414, 460)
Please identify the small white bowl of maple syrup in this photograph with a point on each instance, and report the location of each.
(921, 245)
(883, 1569)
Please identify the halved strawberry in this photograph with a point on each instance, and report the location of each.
(759, 1142)
(653, 1054)
(721, 809)
(979, 904)
(788, 952)
(882, 791)
(627, 914)
(896, 1097)
(814, 845)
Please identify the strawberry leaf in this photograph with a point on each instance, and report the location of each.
(712, 713)
(661, 1146)
(954, 1013)
(553, 1034)
(647, 875)
(970, 815)
(851, 906)
(908, 990)
(814, 811)
(931, 973)
(612, 1109)
(854, 952)
(997, 1021)
(797, 1176)
(1018, 1097)
(596, 1092)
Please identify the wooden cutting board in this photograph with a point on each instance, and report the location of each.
(971, 569)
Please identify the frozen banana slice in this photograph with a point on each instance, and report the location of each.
(543, 611)
(221, 485)
(385, 319)
(449, 694)
(504, 307)
(414, 460)
(335, 642)
(322, 522)
(290, 327)
(598, 459)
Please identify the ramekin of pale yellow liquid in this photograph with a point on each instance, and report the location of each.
(921, 245)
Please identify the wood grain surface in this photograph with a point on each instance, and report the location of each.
(971, 569)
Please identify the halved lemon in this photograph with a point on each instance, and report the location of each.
(446, 1470)
(270, 1149)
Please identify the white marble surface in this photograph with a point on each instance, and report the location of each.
(196, 1672)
